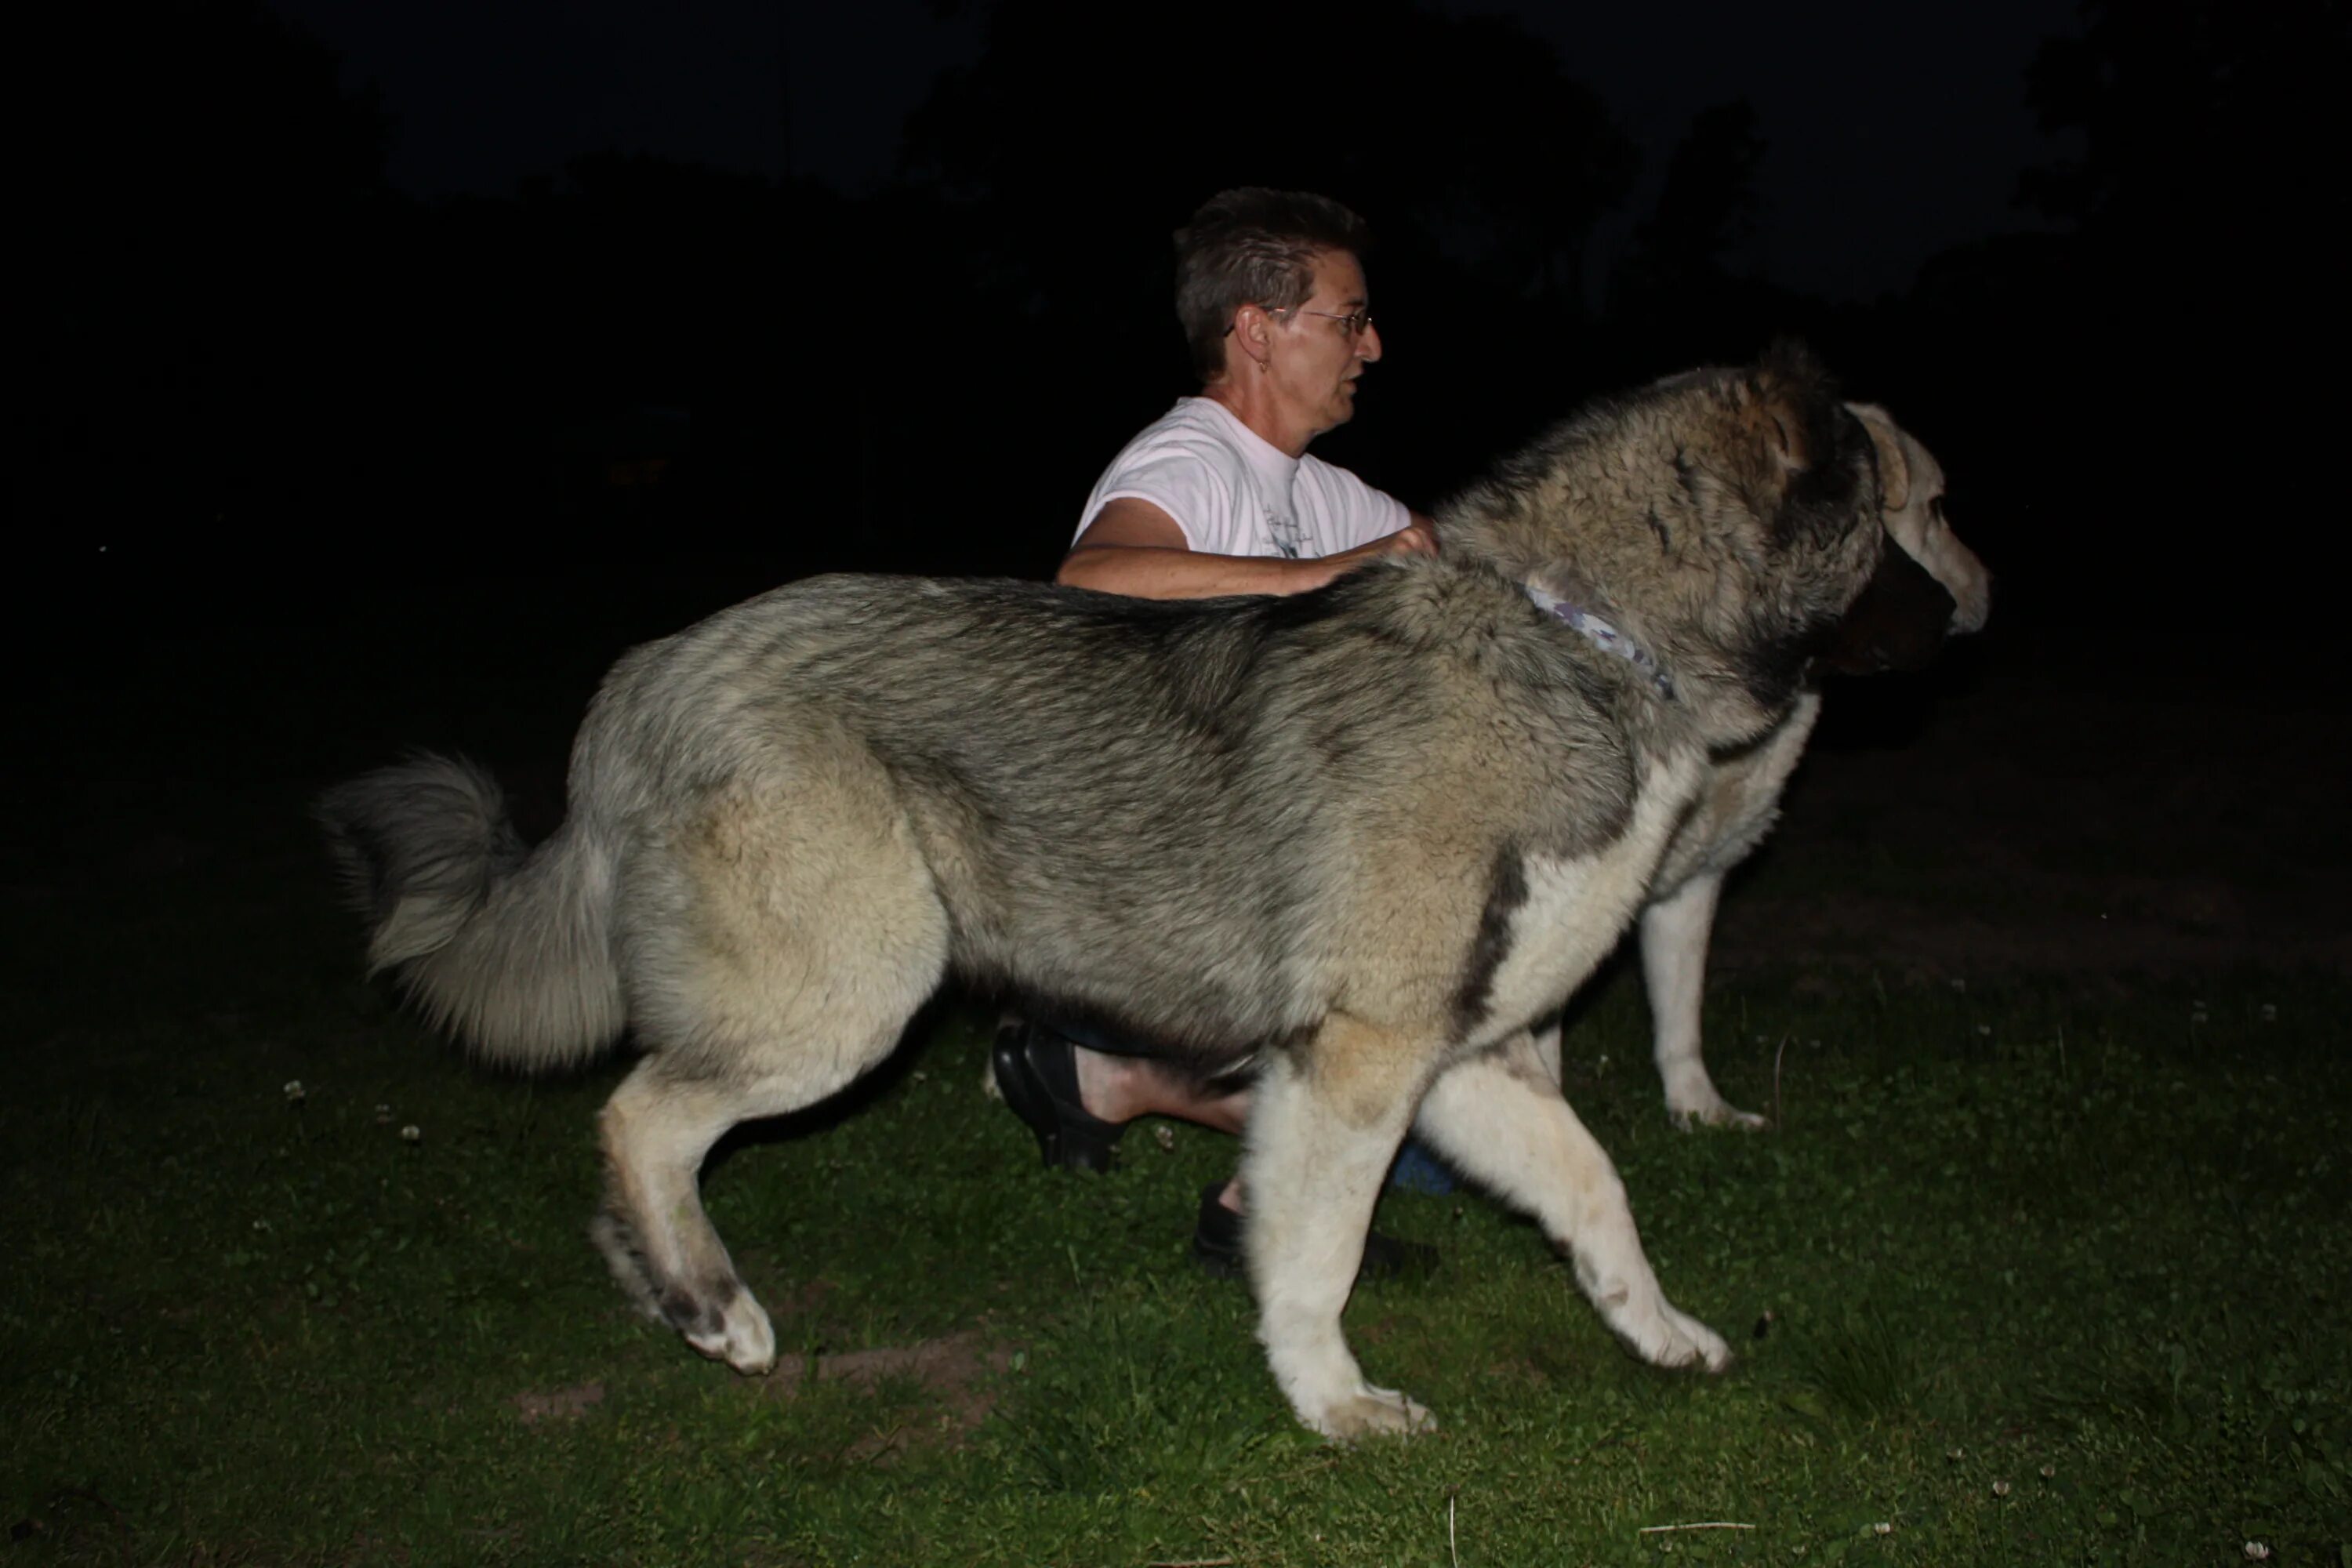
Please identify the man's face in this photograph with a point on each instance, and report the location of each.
(1315, 360)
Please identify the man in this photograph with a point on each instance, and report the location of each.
(1218, 496)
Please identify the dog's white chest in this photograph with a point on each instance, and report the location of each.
(1577, 907)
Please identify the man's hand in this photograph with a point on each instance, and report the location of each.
(1419, 537)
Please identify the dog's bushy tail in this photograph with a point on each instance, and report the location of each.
(507, 947)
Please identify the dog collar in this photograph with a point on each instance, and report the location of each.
(1604, 636)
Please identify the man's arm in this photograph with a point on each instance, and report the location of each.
(1135, 548)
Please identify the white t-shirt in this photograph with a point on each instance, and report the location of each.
(1233, 494)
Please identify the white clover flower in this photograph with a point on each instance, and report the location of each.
(1165, 1136)
(2257, 1552)
(294, 1091)
(2049, 1472)
(2001, 1488)
(1984, 1029)
(1956, 1455)
(411, 1133)
(1882, 1527)
(384, 1116)
(2269, 1012)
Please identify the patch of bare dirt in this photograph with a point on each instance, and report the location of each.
(957, 1373)
(559, 1403)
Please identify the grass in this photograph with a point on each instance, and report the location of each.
(2037, 1273)
(2026, 1275)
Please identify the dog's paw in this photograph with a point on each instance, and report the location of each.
(737, 1333)
(1713, 1110)
(1663, 1335)
(1705, 1347)
(1371, 1413)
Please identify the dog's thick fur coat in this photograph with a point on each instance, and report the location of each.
(1360, 839)
(1740, 800)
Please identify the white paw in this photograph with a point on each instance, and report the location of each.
(1369, 1412)
(1707, 1348)
(1663, 1335)
(1711, 1111)
(743, 1340)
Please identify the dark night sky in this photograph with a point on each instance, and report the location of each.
(1894, 131)
(318, 348)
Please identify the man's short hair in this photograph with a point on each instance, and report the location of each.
(1254, 246)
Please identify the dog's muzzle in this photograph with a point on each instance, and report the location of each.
(1898, 622)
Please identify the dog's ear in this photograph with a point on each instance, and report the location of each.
(1819, 456)
(1894, 468)
(1898, 623)
(1783, 393)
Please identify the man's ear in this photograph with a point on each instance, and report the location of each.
(1894, 468)
(1898, 623)
(1253, 331)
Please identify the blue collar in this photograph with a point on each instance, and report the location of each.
(1604, 636)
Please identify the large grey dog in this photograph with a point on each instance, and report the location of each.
(1359, 840)
(1742, 798)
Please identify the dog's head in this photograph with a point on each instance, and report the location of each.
(1911, 488)
(1930, 587)
(1726, 519)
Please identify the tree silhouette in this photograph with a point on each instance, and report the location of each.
(2211, 138)
(1065, 158)
(209, 199)
(2192, 108)
(1680, 294)
(2118, 373)
(219, 113)
(1708, 206)
(1071, 122)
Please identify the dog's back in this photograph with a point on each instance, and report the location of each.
(1167, 816)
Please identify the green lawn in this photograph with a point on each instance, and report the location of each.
(2035, 1273)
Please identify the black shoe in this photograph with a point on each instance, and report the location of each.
(1040, 1081)
(1217, 1246)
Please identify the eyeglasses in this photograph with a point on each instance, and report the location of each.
(1352, 324)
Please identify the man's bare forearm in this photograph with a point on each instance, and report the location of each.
(1145, 572)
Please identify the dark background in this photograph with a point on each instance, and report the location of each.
(383, 372)
(689, 289)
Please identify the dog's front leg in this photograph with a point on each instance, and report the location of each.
(1674, 933)
(1325, 1121)
(1499, 1117)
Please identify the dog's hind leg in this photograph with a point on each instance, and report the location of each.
(656, 1131)
(1499, 1119)
(773, 961)
(1674, 933)
(1323, 1126)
